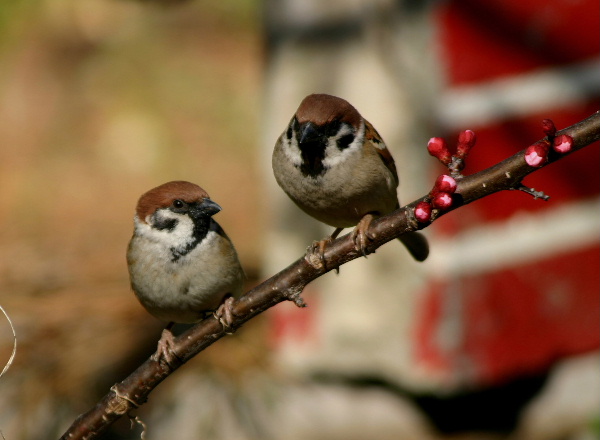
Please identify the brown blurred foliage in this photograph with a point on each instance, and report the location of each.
(100, 100)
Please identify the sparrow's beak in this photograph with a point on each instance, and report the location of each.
(310, 133)
(206, 208)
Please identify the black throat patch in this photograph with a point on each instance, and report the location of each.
(201, 228)
(313, 154)
(313, 141)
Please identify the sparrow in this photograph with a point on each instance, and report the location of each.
(335, 166)
(181, 263)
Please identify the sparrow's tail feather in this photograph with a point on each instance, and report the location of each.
(417, 245)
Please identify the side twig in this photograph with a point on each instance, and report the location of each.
(288, 284)
(14, 350)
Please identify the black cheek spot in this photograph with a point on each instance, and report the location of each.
(345, 141)
(165, 223)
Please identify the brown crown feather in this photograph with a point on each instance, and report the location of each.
(322, 109)
(162, 196)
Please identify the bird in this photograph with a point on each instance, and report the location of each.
(182, 266)
(335, 167)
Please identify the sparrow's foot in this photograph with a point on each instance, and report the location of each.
(361, 235)
(224, 314)
(164, 350)
(315, 254)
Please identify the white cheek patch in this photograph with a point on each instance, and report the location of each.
(291, 149)
(180, 235)
(334, 156)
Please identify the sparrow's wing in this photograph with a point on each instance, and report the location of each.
(385, 155)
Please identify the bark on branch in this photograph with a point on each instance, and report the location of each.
(288, 284)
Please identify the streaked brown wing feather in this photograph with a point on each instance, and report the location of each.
(372, 135)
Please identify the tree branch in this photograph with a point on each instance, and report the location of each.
(288, 284)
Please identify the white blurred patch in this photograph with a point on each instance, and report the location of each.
(522, 238)
(519, 95)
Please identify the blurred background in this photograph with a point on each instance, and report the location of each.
(495, 336)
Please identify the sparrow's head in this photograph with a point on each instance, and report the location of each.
(322, 131)
(176, 213)
(173, 200)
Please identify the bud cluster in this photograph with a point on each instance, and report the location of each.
(440, 197)
(536, 155)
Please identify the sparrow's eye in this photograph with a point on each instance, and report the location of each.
(345, 141)
(333, 127)
(178, 204)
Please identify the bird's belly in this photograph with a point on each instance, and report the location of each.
(183, 291)
(341, 201)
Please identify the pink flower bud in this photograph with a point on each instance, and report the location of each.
(466, 140)
(444, 183)
(563, 143)
(423, 212)
(548, 127)
(442, 200)
(537, 154)
(437, 148)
